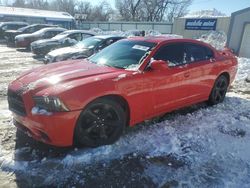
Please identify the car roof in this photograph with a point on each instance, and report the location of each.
(162, 39)
(14, 23)
(50, 25)
(108, 36)
(52, 28)
(78, 31)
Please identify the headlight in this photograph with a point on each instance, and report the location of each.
(50, 104)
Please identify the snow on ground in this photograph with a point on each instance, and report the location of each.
(199, 146)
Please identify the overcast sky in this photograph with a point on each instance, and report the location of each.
(225, 6)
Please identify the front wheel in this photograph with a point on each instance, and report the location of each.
(219, 90)
(101, 123)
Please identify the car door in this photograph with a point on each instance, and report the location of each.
(169, 86)
(200, 61)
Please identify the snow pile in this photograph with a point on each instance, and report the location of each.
(241, 85)
(129, 33)
(243, 69)
(217, 39)
(152, 33)
(205, 14)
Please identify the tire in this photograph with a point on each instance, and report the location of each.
(219, 90)
(101, 123)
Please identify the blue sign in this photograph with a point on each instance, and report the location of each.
(201, 24)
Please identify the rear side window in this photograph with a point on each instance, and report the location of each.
(173, 53)
(195, 53)
(50, 34)
(85, 35)
(13, 26)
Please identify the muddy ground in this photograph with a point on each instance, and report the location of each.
(199, 146)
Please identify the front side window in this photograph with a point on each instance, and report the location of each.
(195, 53)
(173, 53)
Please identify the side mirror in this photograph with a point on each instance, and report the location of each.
(159, 65)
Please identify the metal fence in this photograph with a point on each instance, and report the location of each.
(165, 28)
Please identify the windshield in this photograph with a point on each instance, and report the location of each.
(60, 36)
(123, 54)
(39, 32)
(90, 42)
(23, 28)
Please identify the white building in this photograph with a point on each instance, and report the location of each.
(32, 16)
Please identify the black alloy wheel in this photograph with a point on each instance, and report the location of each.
(219, 90)
(101, 123)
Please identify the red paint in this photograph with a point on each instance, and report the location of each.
(148, 93)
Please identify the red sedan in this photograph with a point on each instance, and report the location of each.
(89, 102)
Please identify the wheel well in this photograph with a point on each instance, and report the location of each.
(227, 76)
(123, 102)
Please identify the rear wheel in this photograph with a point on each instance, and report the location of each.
(219, 90)
(101, 123)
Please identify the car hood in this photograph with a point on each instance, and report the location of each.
(66, 50)
(52, 74)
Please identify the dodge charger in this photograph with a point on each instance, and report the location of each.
(89, 102)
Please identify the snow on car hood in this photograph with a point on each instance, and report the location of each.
(66, 50)
(61, 73)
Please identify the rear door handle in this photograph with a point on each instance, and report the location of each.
(186, 74)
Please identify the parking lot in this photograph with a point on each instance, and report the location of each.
(198, 146)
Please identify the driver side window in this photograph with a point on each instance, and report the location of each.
(173, 53)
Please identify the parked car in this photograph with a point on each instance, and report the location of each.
(82, 49)
(24, 40)
(89, 102)
(11, 34)
(64, 39)
(10, 25)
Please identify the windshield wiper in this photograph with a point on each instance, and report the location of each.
(113, 66)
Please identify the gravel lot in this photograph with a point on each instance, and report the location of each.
(198, 146)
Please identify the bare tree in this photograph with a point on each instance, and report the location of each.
(128, 9)
(37, 4)
(101, 12)
(178, 9)
(151, 10)
(19, 3)
(63, 5)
